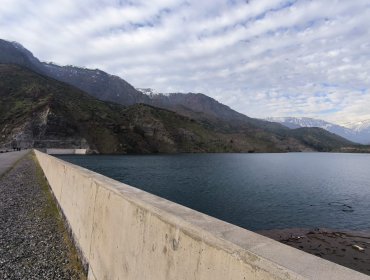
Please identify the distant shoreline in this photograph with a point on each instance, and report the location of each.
(228, 153)
(344, 247)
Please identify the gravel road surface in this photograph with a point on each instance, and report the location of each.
(34, 243)
(7, 160)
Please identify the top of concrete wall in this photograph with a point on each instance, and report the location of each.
(57, 151)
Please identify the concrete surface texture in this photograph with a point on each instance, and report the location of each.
(8, 159)
(126, 233)
(66, 151)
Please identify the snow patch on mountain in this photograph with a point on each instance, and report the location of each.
(358, 126)
(151, 92)
(358, 132)
(292, 122)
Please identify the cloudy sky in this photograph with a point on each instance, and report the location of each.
(260, 57)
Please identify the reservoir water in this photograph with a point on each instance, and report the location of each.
(254, 191)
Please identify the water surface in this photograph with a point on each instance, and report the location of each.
(254, 191)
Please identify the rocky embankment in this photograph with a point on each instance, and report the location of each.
(347, 248)
(34, 243)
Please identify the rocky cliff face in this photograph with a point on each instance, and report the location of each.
(41, 128)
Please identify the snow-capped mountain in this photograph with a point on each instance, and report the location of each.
(362, 130)
(147, 91)
(359, 126)
(152, 92)
(358, 132)
(292, 122)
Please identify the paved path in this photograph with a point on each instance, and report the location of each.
(34, 243)
(7, 160)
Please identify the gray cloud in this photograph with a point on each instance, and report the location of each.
(261, 57)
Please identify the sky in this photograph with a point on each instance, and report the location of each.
(260, 57)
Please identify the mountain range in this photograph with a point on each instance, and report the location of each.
(359, 126)
(47, 105)
(358, 132)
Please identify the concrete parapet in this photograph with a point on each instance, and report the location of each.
(126, 233)
(57, 151)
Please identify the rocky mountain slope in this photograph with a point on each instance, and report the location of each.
(15, 53)
(38, 111)
(222, 128)
(97, 83)
(111, 88)
(198, 106)
(41, 112)
(356, 132)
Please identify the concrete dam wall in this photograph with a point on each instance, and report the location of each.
(56, 151)
(125, 233)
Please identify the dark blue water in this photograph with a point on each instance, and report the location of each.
(254, 191)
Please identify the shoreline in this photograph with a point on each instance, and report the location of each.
(345, 247)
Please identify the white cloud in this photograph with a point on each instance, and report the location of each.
(261, 57)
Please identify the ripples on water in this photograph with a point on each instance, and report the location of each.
(254, 191)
